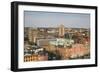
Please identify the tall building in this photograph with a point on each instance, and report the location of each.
(32, 35)
(61, 30)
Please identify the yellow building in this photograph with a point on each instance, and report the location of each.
(61, 30)
(32, 35)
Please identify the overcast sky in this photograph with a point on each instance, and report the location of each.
(54, 19)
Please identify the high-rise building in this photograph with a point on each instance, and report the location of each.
(32, 35)
(61, 30)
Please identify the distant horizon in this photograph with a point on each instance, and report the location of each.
(57, 27)
(37, 19)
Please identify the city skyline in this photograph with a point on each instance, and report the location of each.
(54, 19)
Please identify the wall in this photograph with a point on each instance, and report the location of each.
(5, 35)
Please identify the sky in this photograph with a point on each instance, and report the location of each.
(54, 19)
